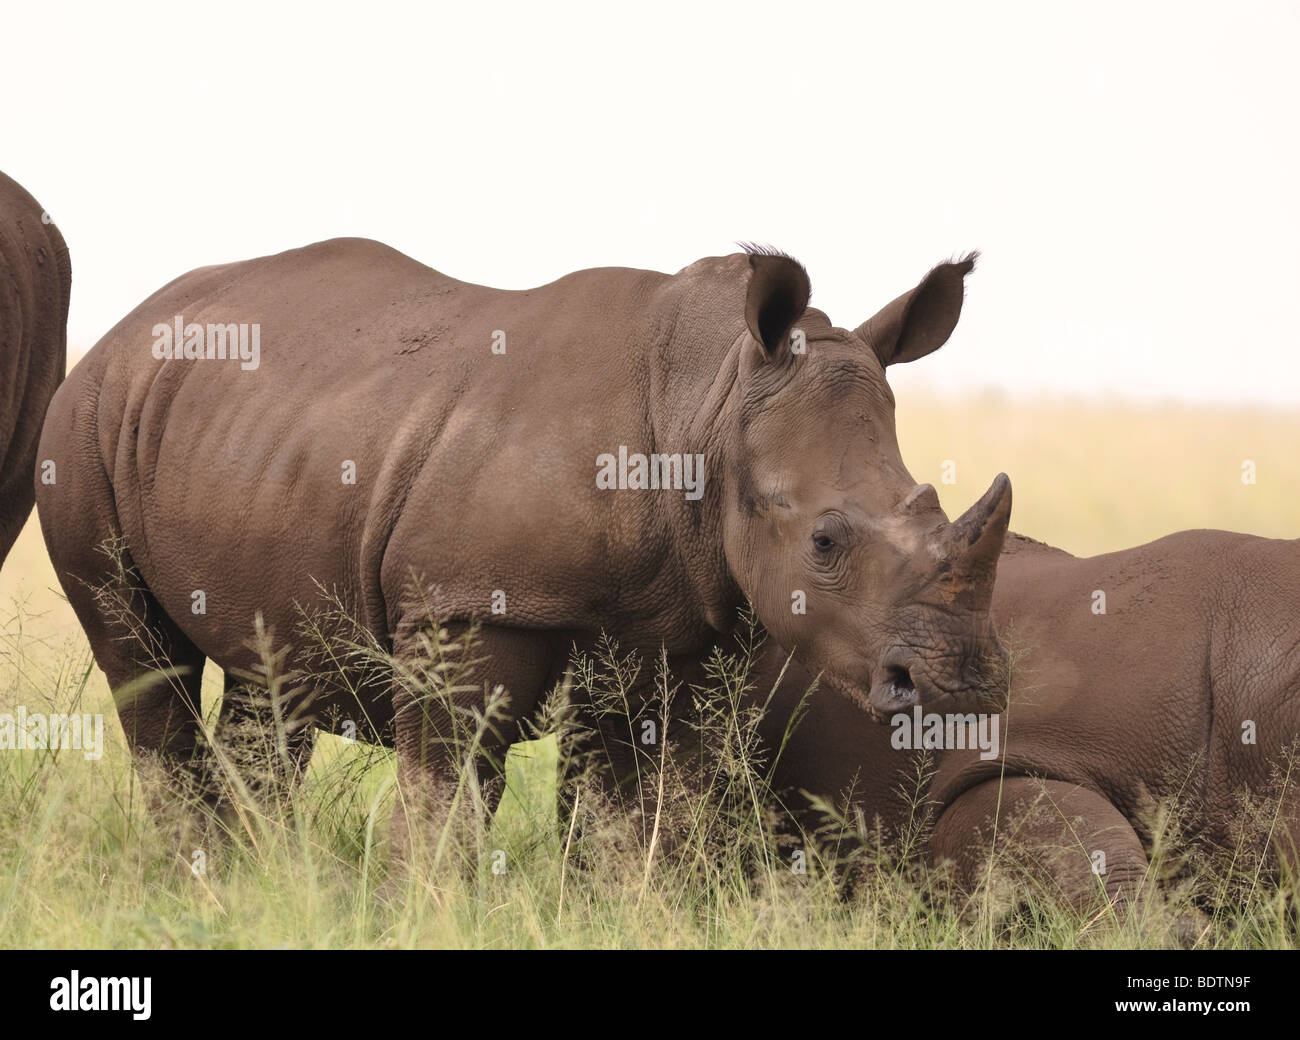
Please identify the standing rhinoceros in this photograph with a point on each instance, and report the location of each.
(621, 451)
(1182, 683)
(35, 281)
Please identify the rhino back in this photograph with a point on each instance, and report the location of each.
(473, 470)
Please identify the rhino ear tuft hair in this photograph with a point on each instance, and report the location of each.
(920, 321)
(777, 297)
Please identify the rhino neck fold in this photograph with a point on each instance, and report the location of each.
(691, 403)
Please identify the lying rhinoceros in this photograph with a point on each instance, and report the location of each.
(1166, 672)
(35, 280)
(620, 451)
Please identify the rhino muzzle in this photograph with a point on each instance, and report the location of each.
(965, 671)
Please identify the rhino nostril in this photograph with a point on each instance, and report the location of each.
(900, 679)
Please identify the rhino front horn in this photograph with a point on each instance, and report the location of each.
(974, 540)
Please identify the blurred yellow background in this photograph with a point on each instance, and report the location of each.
(1091, 476)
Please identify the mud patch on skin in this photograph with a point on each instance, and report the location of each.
(417, 340)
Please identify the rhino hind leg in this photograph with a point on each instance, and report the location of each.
(450, 747)
(154, 671)
(1052, 839)
(155, 674)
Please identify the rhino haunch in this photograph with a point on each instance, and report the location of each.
(425, 446)
(35, 282)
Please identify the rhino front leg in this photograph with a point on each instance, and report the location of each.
(267, 752)
(597, 778)
(450, 754)
(1051, 837)
(610, 764)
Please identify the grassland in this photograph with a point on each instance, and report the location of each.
(82, 864)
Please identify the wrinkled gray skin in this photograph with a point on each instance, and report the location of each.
(1108, 714)
(35, 283)
(475, 472)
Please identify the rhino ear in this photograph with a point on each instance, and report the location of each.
(777, 297)
(920, 321)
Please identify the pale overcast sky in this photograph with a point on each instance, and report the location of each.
(1129, 171)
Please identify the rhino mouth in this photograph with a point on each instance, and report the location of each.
(893, 691)
(898, 684)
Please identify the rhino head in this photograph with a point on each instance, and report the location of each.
(847, 560)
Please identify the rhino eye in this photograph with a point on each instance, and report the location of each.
(823, 543)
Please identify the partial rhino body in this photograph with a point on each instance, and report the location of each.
(426, 449)
(35, 282)
(1186, 688)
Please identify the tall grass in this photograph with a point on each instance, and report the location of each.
(691, 852)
